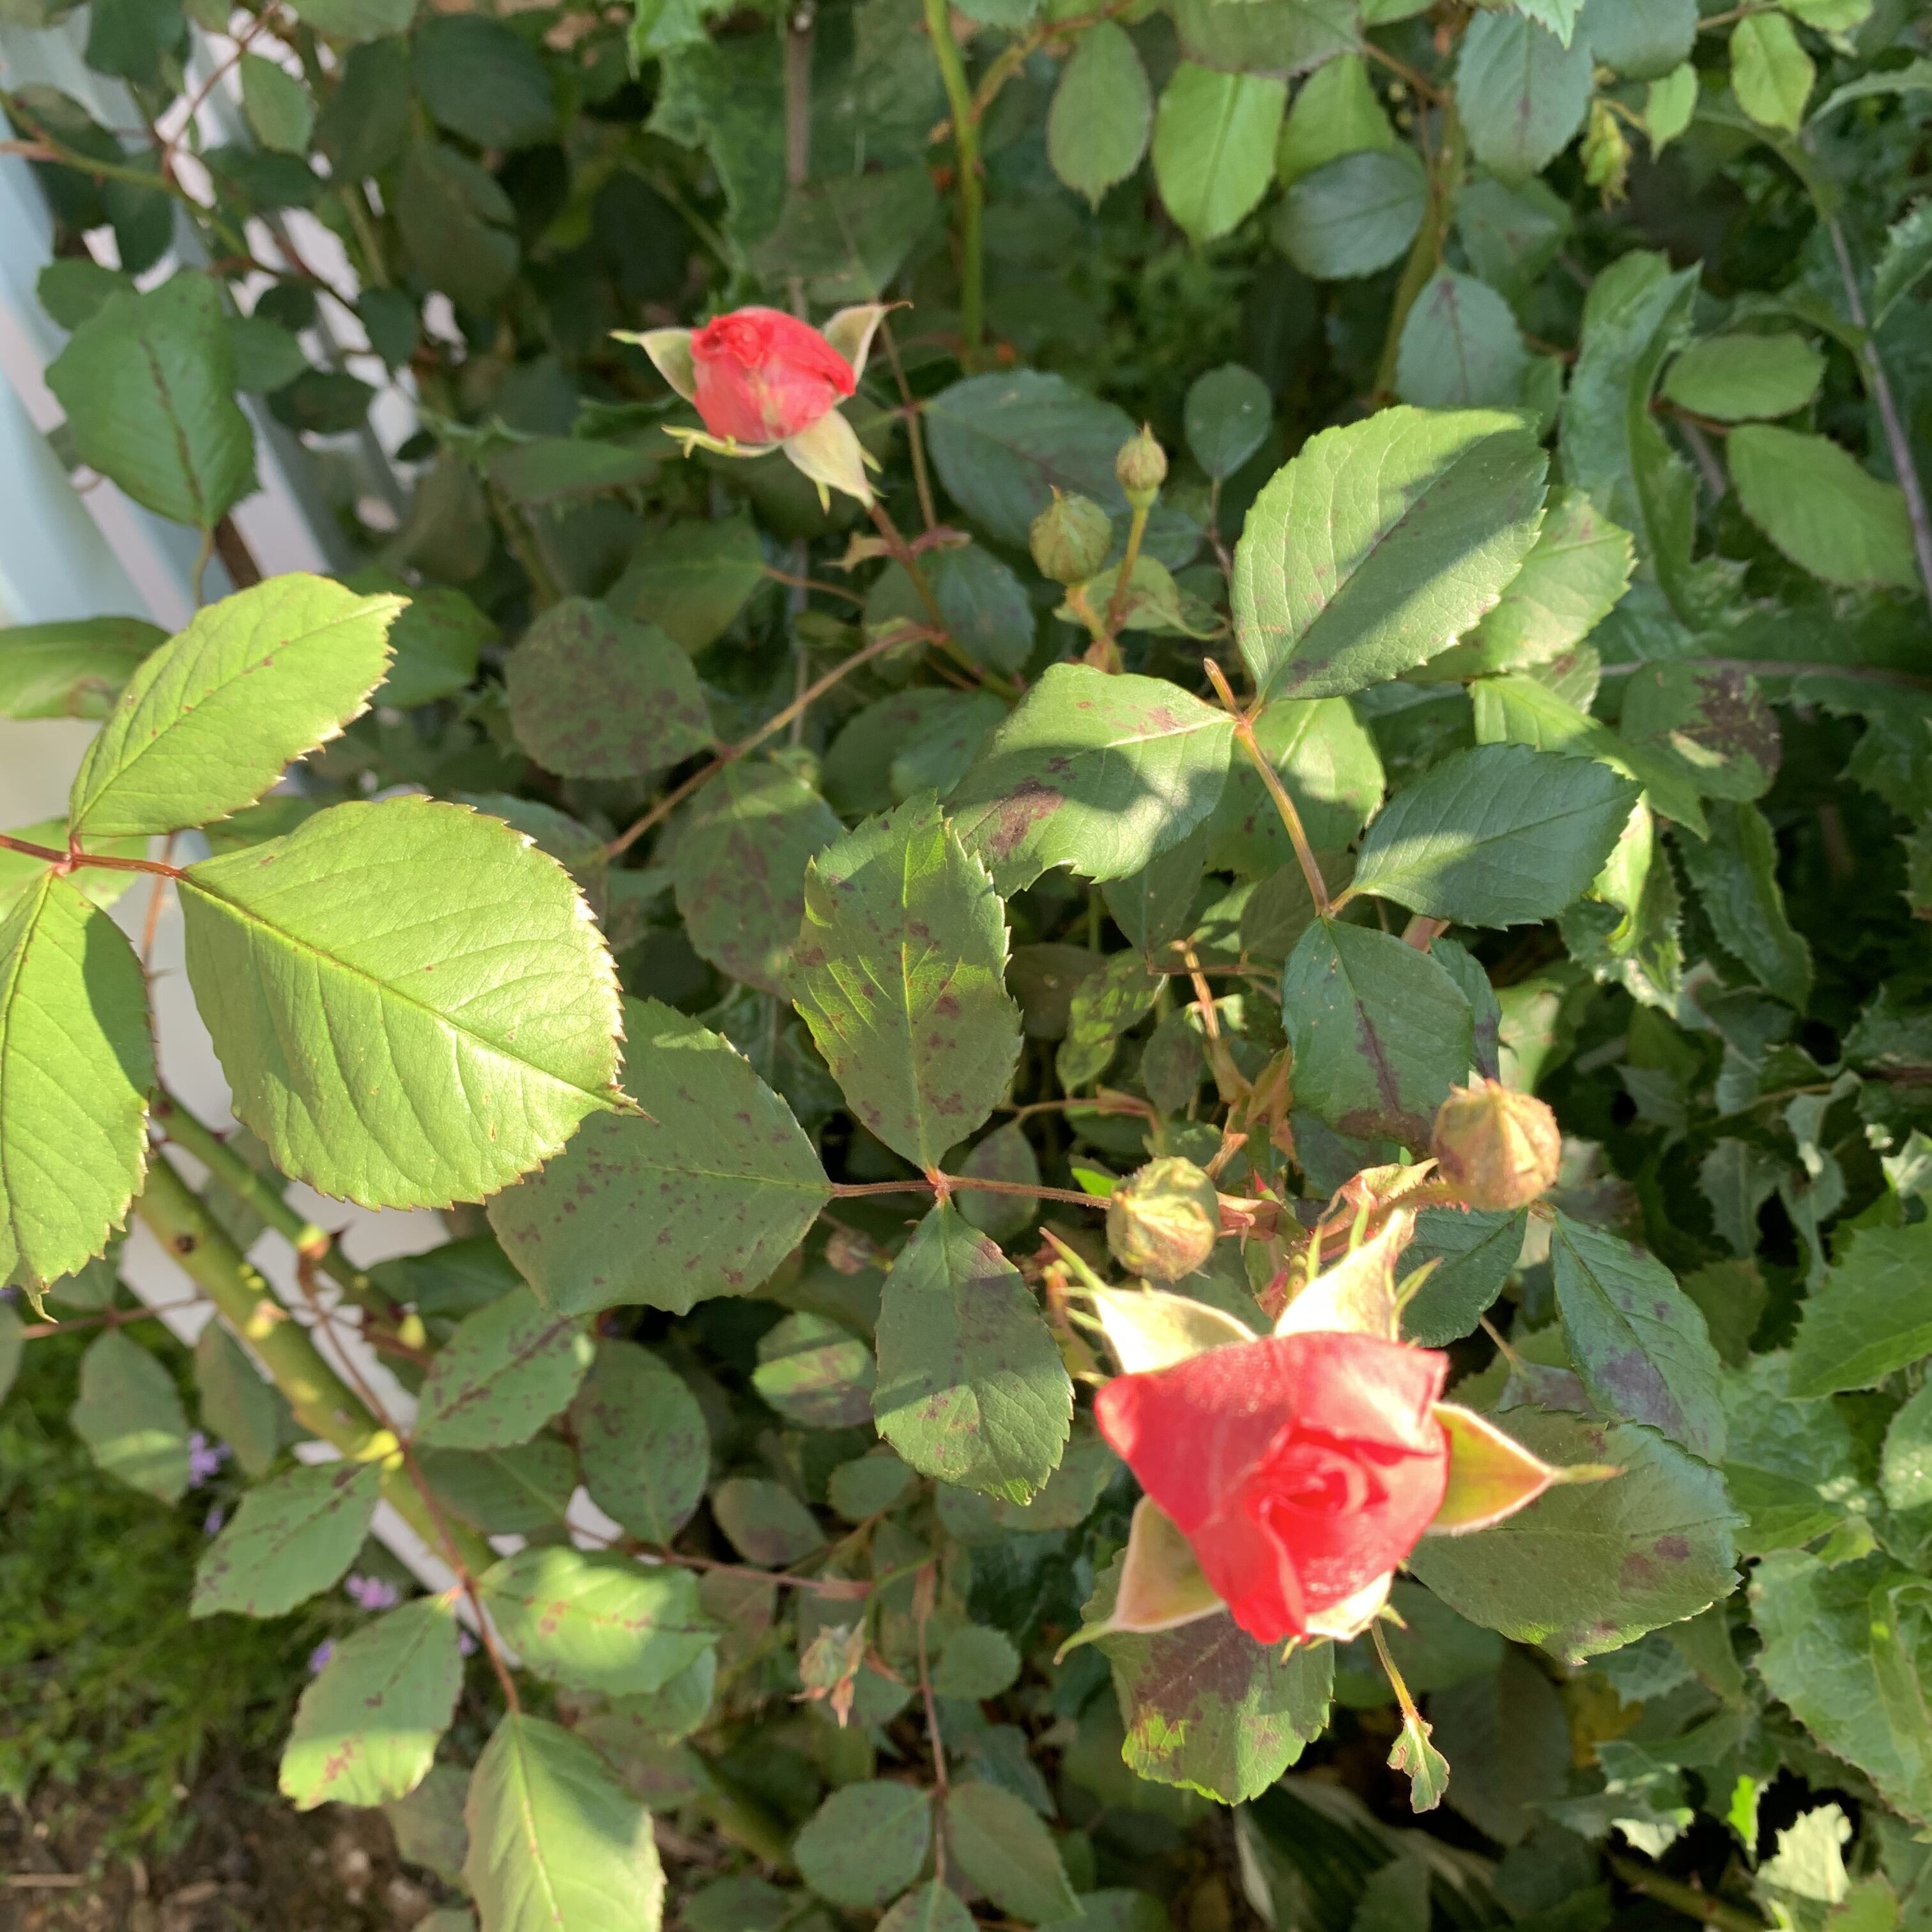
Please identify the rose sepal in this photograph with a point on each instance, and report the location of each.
(1161, 1586)
(850, 331)
(1148, 1329)
(830, 452)
(670, 350)
(1492, 1475)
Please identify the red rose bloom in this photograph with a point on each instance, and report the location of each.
(763, 375)
(1300, 1467)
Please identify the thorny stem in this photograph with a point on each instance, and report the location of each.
(1244, 732)
(770, 728)
(74, 859)
(1897, 443)
(972, 189)
(110, 1318)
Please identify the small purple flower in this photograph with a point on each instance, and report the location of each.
(320, 1655)
(204, 1458)
(372, 1593)
(466, 1644)
(210, 1525)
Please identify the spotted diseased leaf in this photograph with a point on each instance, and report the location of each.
(503, 1492)
(293, 1536)
(1590, 1567)
(593, 695)
(815, 1372)
(900, 966)
(1379, 1032)
(1105, 1004)
(739, 869)
(971, 1389)
(702, 1193)
(1380, 544)
(642, 1439)
(1710, 720)
(1005, 1154)
(504, 1372)
(1097, 773)
(366, 1729)
(355, 977)
(602, 1622)
(767, 1525)
(1521, 91)
(1638, 1341)
(1208, 1708)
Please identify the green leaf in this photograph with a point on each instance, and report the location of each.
(1460, 347)
(1380, 544)
(1227, 417)
(978, 1661)
(1708, 721)
(436, 638)
(355, 19)
(691, 578)
(506, 1372)
(1005, 1154)
(1637, 1340)
(1905, 263)
(148, 383)
(129, 1414)
(1735, 874)
(1334, 112)
(77, 1062)
(1820, 506)
(865, 1843)
(943, 746)
(238, 1405)
(1099, 773)
(1102, 112)
(1790, 1465)
(739, 869)
(387, 929)
(277, 105)
(457, 224)
(592, 695)
(483, 80)
(1476, 1251)
(1379, 1032)
(1846, 1647)
(75, 668)
(1105, 1004)
(366, 1729)
(267, 356)
(1328, 760)
(1770, 73)
(1590, 1567)
(1499, 835)
(1283, 38)
(291, 1537)
(1000, 1845)
(900, 975)
(985, 605)
(1906, 1473)
(1208, 1708)
(210, 721)
(1521, 93)
(1213, 146)
(642, 1439)
(1353, 215)
(1643, 40)
(703, 1192)
(605, 1622)
(766, 1524)
(556, 1844)
(428, 1823)
(1574, 573)
(12, 1345)
(848, 236)
(1614, 451)
(1154, 907)
(1735, 378)
(1511, 234)
(815, 1372)
(553, 469)
(1004, 443)
(971, 1389)
(1870, 1317)
(502, 1491)
(931, 1907)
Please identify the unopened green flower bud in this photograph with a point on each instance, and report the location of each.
(1070, 538)
(1497, 1148)
(1163, 1221)
(1141, 468)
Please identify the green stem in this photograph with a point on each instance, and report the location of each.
(525, 547)
(972, 188)
(1681, 1897)
(1117, 605)
(266, 1198)
(1426, 256)
(1271, 778)
(324, 1404)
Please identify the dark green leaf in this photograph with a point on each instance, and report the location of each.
(1735, 874)
(641, 1437)
(483, 80)
(1353, 215)
(1003, 1848)
(865, 1843)
(1520, 91)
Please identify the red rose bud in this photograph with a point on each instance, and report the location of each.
(1141, 469)
(1163, 1221)
(762, 376)
(1300, 1467)
(1497, 1148)
(1070, 538)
